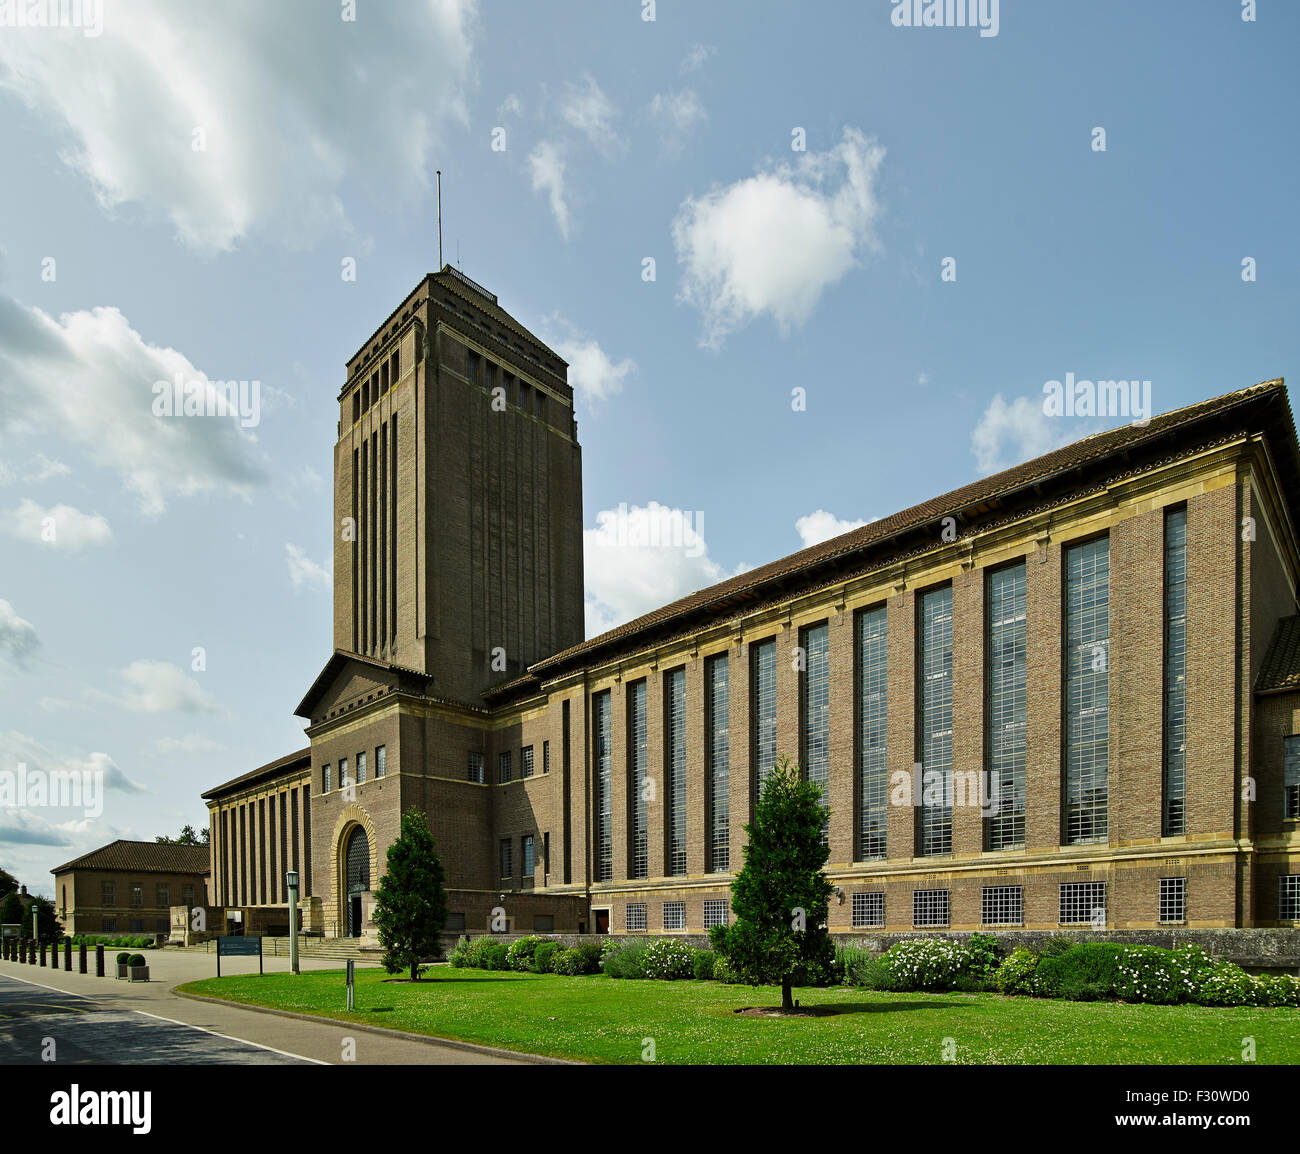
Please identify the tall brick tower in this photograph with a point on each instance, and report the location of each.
(457, 494)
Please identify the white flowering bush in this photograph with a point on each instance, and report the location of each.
(925, 964)
(1162, 977)
(1227, 985)
(666, 959)
(1277, 990)
(1016, 974)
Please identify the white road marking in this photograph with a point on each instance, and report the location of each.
(173, 1021)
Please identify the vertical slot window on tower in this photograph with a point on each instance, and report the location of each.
(675, 712)
(381, 761)
(935, 809)
(815, 691)
(718, 708)
(763, 678)
(1087, 688)
(603, 749)
(1175, 815)
(504, 770)
(636, 735)
(527, 758)
(873, 775)
(1005, 705)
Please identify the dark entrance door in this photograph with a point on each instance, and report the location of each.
(358, 878)
(602, 921)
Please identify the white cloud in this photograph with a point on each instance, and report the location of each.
(676, 113)
(39, 468)
(697, 56)
(773, 243)
(19, 643)
(546, 166)
(592, 113)
(57, 527)
(510, 106)
(640, 558)
(923, 378)
(593, 375)
(1007, 434)
(821, 526)
(304, 571)
(159, 687)
(22, 827)
(89, 377)
(20, 749)
(366, 100)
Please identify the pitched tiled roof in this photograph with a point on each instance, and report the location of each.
(968, 500)
(152, 857)
(270, 769)
(1281, 668)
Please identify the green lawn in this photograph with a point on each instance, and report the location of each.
(600, 1019)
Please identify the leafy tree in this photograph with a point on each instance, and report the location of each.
(781, 894)
(187, 836)
(11, 911)
(8, 883)
(48, 927)
(410, 903)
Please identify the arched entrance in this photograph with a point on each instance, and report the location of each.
(356, 878)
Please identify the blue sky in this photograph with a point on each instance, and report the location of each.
(624, 139)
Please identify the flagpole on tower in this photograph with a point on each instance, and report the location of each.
(440, 219)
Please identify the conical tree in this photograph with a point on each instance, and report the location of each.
(410, 903)
(781, 894)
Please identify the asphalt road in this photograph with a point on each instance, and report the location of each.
(44, 1025)
(102, 1021)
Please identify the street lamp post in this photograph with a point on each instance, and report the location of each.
(291, 883)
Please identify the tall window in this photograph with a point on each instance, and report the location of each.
(637, 772)
(529, 857)
(137, 893)
(325, 778)
(936, 722)
(546, 757)
(764, 682)
(504, 770)
(816, 720)
(474, 770)
(526, 770)
(873, 777)
(107, 894)
(344, 780)
(604, 809)
(718, 704)
(1004, 707)
(1087, 687)
(1175, 817)
(381, 761)
(1291, 778)
(361, 767)
(675, 712)
(507, 867)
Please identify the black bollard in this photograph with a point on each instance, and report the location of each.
(54, 955)
(99, 961)
(67, 954)
(42, 953)
(81, 948)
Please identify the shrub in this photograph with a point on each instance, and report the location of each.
(1056, 944)
(496, 956)
(1064, 975)
(702, 964)
(667, 959)
(123, 959)
(520, 953)
(846, 956)
(925, 964)
(867, 973)
(1277, 990)
(582, 959)
(1226, 985)
(460, 955)
(544, 955)
(625, 962)
(1015, 975)
(610, 946)
(137, 960)
(722, 971)
(1148, 974)
(985, 955)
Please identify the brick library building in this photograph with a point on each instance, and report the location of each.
(1066, 695)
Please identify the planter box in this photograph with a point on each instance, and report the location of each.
(139, 973)
(122, 971)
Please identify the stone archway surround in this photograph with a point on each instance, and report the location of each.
(351, 817)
